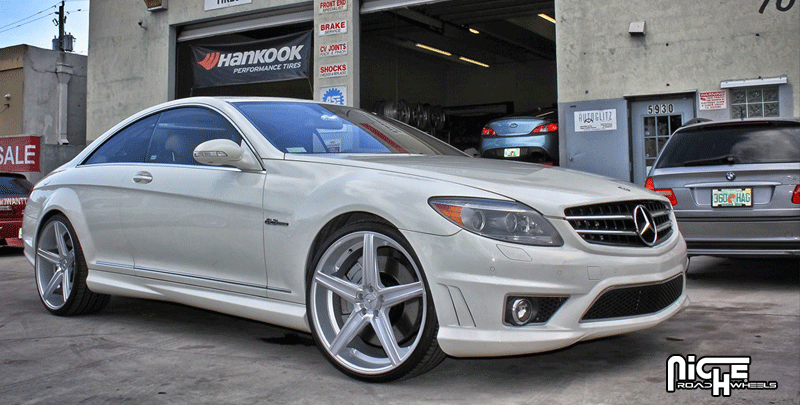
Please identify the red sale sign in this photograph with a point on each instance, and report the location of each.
(20, 153)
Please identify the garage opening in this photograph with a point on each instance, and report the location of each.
(450, 67)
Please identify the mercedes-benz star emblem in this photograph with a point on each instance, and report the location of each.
(645, 226)
(730, 176)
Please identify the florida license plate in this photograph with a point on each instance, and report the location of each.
(511, 152)
(732, 197)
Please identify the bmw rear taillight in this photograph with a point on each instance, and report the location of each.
(796, 195)
(666, 192)
(488, 132)
(551, 127)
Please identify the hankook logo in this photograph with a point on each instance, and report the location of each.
(261, 56)
(645, 226)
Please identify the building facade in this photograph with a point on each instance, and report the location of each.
(621, 75)
(43, 112)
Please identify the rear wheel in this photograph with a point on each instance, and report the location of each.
(61, 271)
(369, 306)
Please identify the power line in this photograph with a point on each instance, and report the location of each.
(25, 23)
(28, 17)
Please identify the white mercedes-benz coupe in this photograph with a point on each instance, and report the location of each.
(391, 248)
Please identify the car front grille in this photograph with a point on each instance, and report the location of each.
(613, 223)
(627, 301)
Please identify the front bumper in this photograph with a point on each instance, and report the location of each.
(470, 288)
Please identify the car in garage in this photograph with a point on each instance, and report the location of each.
(392, 248)
(14, 190)
(734, 186)
(529, 137)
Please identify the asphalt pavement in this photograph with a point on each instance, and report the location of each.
(147, 352)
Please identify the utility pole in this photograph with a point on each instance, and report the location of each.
(63, 42)
(61, 21)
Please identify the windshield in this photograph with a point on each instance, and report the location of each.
(296, 127)
(778, 143)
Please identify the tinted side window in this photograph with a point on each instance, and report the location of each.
(179, 131)
(126, 146)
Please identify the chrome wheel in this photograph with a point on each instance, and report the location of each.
(368, 305)
(55, 264)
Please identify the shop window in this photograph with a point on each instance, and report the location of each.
(749, 102)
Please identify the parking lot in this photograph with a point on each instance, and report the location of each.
(138, 351)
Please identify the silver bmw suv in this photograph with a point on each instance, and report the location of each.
(734, 186)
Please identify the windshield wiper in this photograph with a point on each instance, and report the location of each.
(722, 160)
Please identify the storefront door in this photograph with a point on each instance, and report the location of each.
(652, 123)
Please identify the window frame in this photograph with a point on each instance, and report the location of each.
(159, 112)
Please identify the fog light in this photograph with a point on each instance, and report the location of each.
(522, 310)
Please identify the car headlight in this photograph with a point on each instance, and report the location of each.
(501, 220)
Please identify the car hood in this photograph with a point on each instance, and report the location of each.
(547, 189)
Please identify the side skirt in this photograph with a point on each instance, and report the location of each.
(280, 313)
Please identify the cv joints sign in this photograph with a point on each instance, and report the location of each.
(283, 58)
(19, 153)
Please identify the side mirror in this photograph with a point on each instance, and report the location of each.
(224, 152)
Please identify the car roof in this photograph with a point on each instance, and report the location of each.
(741, 122)
(17, 175)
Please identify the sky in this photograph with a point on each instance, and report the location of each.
(31, 22)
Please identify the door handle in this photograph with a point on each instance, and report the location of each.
(142, 177)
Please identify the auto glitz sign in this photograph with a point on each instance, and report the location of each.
(597, 120)
(277, 59)
(19, 153)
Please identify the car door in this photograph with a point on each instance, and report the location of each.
(190, 223)
(98, 181)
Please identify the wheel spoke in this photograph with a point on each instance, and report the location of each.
(370, 261)
(66, 284)
(383, 329)
(338, 286)
(60, 230)
(57, 278)
(352, 327)
(401, 293)
(49, 256)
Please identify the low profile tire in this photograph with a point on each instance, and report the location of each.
(369, 306)
(61, 271)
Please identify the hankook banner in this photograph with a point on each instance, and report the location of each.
(271, 60)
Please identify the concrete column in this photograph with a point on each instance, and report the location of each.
(64, 73)
(336, 51)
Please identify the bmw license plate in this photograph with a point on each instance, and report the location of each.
(732, 197)
(511, 152)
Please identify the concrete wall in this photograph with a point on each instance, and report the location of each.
(31, 77)
(41, 96)
(131, 64)
(688, 46)
(11, 83)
